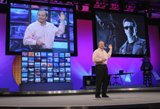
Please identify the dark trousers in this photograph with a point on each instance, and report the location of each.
(101, 79)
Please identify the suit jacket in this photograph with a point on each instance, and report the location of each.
(139, 47)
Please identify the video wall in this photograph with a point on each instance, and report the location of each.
(45, 67)
(22, 15)
(126, 32)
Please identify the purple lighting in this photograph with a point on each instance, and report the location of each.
(128, 65)
(81, 64)
(6, 76)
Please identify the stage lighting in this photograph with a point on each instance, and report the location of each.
(130, 7)
(114, 6)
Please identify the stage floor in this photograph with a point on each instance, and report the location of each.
(82, 101)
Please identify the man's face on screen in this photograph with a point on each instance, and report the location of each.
(42, 17)
(129, 28)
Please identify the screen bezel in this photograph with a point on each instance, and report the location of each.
(8, 52)
(95, 43)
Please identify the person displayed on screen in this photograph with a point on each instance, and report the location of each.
(134, 44)
(41, 34)
(100, 58)
(147, 68)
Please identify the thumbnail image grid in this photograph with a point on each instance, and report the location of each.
(45, 67)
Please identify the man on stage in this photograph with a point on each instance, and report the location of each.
(100, 57)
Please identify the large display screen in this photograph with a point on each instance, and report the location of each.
(45, 67)
(126, 32)
(26, 30)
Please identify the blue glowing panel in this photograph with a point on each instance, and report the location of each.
(18, 15)
(71, 19)
(34, 15)
(71, 34)
(19, 5)
(54, 17)
(60, 45)
(43, 67)
(72, 46)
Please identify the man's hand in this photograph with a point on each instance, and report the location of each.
(39, 43)
(61, 16)
(110, 46)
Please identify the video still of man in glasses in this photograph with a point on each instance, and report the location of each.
(134, 44)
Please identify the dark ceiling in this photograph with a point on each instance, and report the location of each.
(150, 7)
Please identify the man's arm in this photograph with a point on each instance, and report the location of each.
(110, 51)
(29, 38)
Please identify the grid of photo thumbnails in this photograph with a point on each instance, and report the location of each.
(45, 67)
